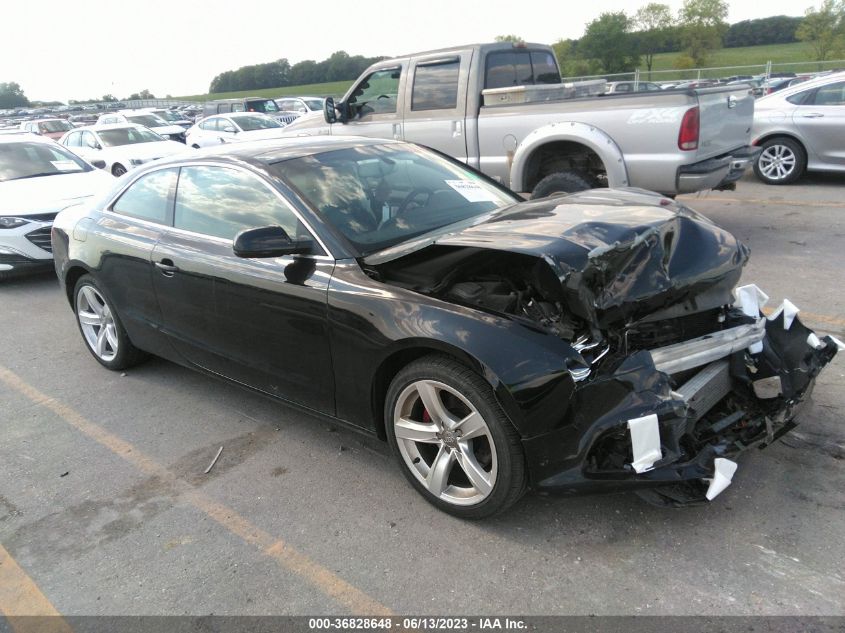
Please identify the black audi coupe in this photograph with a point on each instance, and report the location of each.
(581, 343)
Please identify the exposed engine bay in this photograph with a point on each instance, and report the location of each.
(679, 369)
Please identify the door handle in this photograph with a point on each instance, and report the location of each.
(813, 115)
(397, 131)
(166, 267)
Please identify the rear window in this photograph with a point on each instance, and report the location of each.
(436, 86)
(520, 68)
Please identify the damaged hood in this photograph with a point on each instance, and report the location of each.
(619, 255)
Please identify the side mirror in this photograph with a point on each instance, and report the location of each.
(230, 129)
(329, 113)
(99, 163)
(268, 241)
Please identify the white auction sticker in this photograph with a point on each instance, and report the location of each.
(473, 191)
(65, 165)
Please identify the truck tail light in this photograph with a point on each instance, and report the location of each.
(690, 124)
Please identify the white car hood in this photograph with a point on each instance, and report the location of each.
(168, 129)
(144, 151)
(46, 194)
(252, 135)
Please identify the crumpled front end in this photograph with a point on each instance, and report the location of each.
(669, 421)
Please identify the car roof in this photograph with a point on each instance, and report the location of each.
(275, 150)
(805, 85)
(20, 136)
(99, 127)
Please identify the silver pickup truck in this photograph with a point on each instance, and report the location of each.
(502, 109)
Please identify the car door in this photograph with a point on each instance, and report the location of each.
(375, 106)
(261, 322)
(820, 119)
(126, 234)
(435, 98)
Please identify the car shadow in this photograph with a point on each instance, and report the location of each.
(36, 280)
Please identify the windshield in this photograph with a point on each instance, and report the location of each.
(55, 126)
(378, 196)
(127, 136)
(314, 104)
(167, 115)
(29, 160)
(255, 122)
(265, 105)
(150, 120)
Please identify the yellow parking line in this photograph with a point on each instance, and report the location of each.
(21, 599)
(288, 557)
(763, 201)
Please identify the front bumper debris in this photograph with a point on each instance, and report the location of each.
(670, 422)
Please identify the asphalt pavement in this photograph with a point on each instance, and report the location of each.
(105, 508)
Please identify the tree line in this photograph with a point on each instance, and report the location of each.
(618, 42)
(339, 66)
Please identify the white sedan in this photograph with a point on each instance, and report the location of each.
(233, 128)
(147, 119)
(38, 178)
(120, 146)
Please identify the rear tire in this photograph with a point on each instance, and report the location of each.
(781, 162)
(455, 444)
(101, 328)
(561, 182)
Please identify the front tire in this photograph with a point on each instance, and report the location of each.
(781, 162)
(118, 170)
(452, 440)
(101, 328)
(560, 182)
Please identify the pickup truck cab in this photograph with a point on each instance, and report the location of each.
(501, 109)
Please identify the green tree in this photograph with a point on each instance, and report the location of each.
(702, 27)
(824, 28)
(653, 22)
(509, 38)
(12, 96)
(108, 97)
(608, 40)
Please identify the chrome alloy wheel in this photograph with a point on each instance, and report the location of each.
(445, 442)
(777, 162)
(97, 323)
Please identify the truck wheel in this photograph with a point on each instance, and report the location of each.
(561, 182)
(781, 162)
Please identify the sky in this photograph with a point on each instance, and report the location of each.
(88, 48)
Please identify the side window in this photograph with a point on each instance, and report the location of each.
(73, 139)
(436, 86)
(377, 94)
(832, 95)
(801, 97)
(221, 202)
(88, 140)
(544, 67)
(224, 107)
(148, 196)
(508, 68)
(236, 107)
(623, 88)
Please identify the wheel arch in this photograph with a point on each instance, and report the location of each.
(565, 140)
(780, 134)
(74, 271)
(408, 351)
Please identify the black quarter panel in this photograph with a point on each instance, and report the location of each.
(370, 321)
